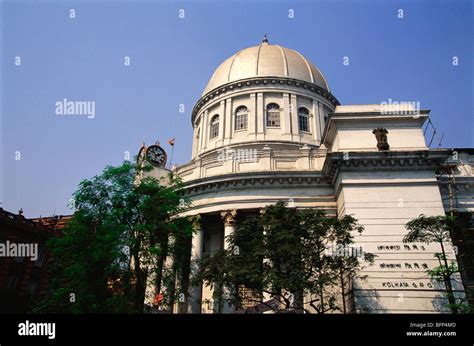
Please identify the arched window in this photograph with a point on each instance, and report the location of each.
(241, 118)
(273, 115)
(214, 130)
(303, 119)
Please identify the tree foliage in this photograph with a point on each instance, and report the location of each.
(117, 240)
(438, 229)
(281, 260)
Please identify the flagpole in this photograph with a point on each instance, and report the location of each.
(171, 158)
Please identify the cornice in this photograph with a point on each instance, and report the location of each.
(256, 180)
(382, 161)
(261, 81)
(462, 182)
(335, 163)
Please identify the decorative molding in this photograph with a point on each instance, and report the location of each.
(258, 81)
(325, 202)
(248, 181)
(228, 216)
(382, 161)
(196, 221)
(274, 145)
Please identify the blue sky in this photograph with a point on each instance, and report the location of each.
(172, 58)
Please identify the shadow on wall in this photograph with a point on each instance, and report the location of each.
(440, 301)
(367, 301)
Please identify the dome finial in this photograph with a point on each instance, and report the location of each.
(265, 39)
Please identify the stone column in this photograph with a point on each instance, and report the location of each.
(286, 119)
(195, 141)
(171, 288)
(198, 138)
(261, 118)
(222, 120)
(321, 118)
(316, 123)
(294, 119)
(201, 125)
(228, 217)
(196, 254)
(252, 117)
(204, 131)
(229, 121)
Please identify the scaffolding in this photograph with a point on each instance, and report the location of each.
(449, 169)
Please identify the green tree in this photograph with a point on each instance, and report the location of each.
(85, 258)
(331, 260)
(117, 239)
(436, 229)
(282, 254)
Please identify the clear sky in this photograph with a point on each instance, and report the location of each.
(45, 155)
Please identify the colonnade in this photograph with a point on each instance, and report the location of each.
(196, 293)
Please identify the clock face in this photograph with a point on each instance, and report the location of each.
(156, 156)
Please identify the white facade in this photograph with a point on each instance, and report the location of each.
(267, 128)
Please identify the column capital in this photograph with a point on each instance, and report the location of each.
(228, 216)
(196, 221)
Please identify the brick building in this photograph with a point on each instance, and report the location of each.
(21, 278)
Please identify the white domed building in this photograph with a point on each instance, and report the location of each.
(268, 128)
(258, 128)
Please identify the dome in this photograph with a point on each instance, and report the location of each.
(266, 60)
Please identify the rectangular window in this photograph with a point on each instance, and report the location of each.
(214, 131)
(240, 122)
(303, 123)
(273, 118)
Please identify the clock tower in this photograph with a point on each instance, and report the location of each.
(156, 156)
